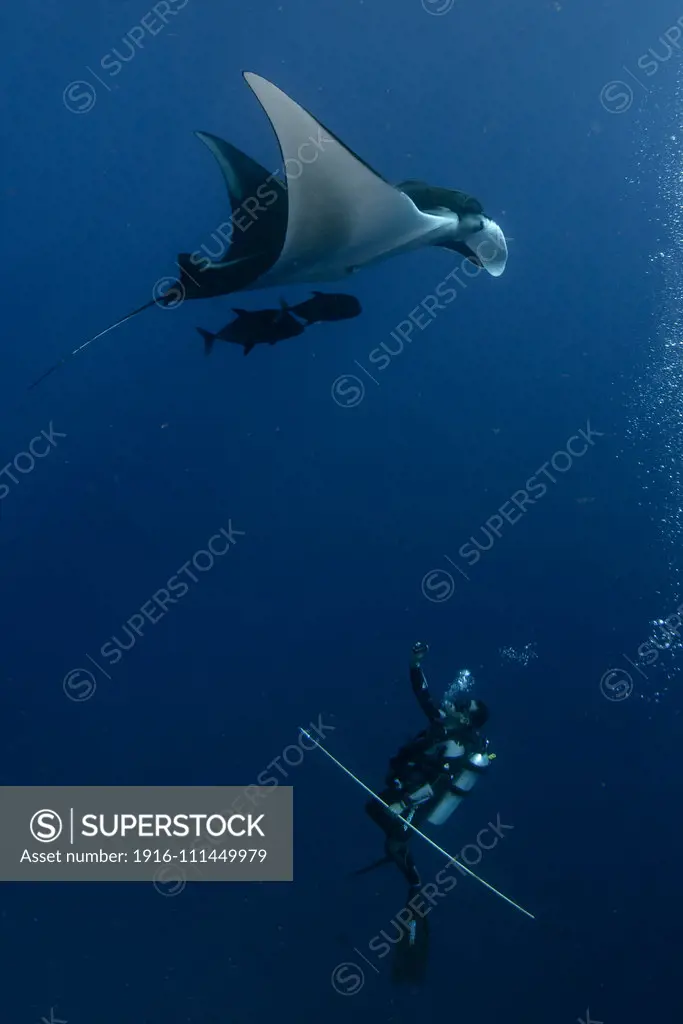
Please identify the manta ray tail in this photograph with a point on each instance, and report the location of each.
(85, 344)
(208, 340)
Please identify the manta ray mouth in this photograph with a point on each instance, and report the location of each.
(490, 247)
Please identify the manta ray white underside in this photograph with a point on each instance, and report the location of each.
(342, 215)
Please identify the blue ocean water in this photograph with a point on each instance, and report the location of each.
(363, 512)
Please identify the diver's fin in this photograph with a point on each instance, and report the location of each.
(371, 867)
(153, 302)
(410, 956)
(209, 339)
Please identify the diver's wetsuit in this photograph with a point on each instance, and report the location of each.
(420, 768)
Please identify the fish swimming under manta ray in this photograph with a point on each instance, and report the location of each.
(333, 216)
(262, 327)
(268, 326)
(326, 308)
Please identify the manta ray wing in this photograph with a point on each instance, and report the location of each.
(341, 214)
(259, 205)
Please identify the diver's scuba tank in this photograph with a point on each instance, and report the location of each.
(453, 796)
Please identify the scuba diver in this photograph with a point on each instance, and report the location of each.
(427, 780)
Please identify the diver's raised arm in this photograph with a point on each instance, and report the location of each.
(418, 682)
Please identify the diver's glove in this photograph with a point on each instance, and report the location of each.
(417, 654)
(398, 807)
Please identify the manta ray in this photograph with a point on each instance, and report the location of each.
(332, 216)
